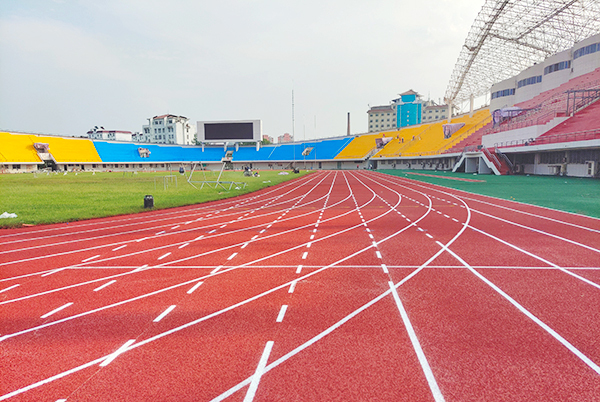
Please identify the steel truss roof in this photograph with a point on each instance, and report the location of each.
(510, 35)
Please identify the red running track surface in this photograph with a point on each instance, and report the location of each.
(338, 286)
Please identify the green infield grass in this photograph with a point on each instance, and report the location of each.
(51, 198)
(572, 194)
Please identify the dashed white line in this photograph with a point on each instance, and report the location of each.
(263, 231)
(9, 288)
(214, 271)
(196, 286)
(299, 269)
(308, 245)
(116, 353)
(378, 254)
(161, 232)
(371, 236)
(254, 237)
(52, 272)
(184, 245)
(105, 285)
(231, 256)
(385, 268)
(221, 227)
(56, 310)
(428, 235)
(175, 227)
(260, 369)
(213, 231)
(281, 313)
(312, 237)
(244, 245)
(91, 258)
(447, 216)
(199, 237)
(292, 287)
(164, 256)
(120, 247)
(304, 255)
(142, 239)
(455, 220)
(164, 313)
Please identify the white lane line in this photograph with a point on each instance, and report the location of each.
(312, 237)
(371, 236)
(164, 313)
(214, 271)
(120, 247)
(199, 237)
(142, 239)
(530, 315)
(314, 230)
(292, 287)
(221, 227)
(61, 400)
(91, 258)
(304, 255)
(161, 232)
(140, 268)
(52, 272)
(455, 220)
(259, 372)
(435, 390)
(56, 310)
(447, 216)
(244, 245)
(213, 231)
(281, 313)
(184, 245)
(105, 285)
(164, 255)
(428, 235)
(374, 244)
(308, 244)
(269, 226)
(231, 256)
(316, 225)
(368, 230)
(9, 288)
(196, 286)
(188, 222)
(254, 237)
(175, 227)
(116, 353)
(378, 254)
(385, 268)
(299, 269)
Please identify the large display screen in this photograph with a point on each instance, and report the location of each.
(228, 131)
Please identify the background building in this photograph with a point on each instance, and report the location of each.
(382, 118)
(285, 138)
(268, 138)
(111, 135)
(169, 129)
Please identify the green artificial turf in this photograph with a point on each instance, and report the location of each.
(572, 194)
(41, 198)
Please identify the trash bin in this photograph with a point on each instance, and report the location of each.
(148, 201)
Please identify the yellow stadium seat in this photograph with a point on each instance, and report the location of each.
(70, 150)
(17, 148)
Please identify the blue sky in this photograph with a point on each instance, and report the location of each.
(66, 66)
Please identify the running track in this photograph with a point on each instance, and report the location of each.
(338, 286)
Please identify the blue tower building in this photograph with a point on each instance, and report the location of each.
(408, 112)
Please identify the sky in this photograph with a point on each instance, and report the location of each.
(67, 66)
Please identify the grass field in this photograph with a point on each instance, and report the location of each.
(41, 198)
(572, 194)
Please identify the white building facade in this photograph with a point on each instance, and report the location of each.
(168, 129)
(109, 135)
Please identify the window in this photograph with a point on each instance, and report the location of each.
(557, 67)
(504, 92)
(529, 81)
(593, 48)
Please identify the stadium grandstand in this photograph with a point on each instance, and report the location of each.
(537, 64)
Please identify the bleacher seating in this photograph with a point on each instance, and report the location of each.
(429, 139)
(322, 149)
(17, 148)
(361, 146)
(69, 150)
(112, 152)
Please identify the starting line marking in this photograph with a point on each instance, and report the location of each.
(56, 310)
(164, 313)
(260, 369)
(116, 353)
